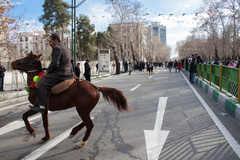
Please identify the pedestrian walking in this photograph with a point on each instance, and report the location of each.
(175, 65)
(179, 65)
(97, 68)
(231, 64)
(2, 74)
(150, 67)
(77, 71)
(170, 64)
(238, 64)
(130, 66)
(216, 62)
(192, 71)
(87, 73)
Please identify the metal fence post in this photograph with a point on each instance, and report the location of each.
(220, 79)
(203, 72)
(239, 84)
(210, 73)
(199, 70)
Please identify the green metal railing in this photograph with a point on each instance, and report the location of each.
(224, 77)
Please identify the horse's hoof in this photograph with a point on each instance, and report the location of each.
(34, 134)
(42, 141)
(80, 144)
(70, 136)
(45, 139)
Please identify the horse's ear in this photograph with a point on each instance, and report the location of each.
(31, 53)
(39, 56)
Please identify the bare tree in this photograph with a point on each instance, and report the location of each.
(9, 25)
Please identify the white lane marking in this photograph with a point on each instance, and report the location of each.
(155, 139)
(1, 109)
(46, 147)
(150, 77)
(233, 143)
(135, 87)
(17, 124)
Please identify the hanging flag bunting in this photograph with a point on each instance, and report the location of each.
(147, 14)
(234, 12)
(220, 12)
(196, 14)
(208, 14)
(183, 14)
(171, 14)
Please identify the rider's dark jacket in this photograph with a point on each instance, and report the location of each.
(60, 66)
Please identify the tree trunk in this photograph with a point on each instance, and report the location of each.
(62, 36)
(116, 60)
(133, 55)
(123, 57)
(216, 52)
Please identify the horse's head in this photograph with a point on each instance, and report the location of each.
(30, 63)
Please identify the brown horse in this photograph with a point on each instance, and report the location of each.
(81, 94)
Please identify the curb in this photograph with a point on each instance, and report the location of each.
(14, 100)
(12, 95)
(229, 105)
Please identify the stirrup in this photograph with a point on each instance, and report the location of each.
(37, 109)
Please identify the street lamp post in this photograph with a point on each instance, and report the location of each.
(73, 27)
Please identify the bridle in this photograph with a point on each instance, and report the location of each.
(28, 65)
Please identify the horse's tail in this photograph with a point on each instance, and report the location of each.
(115, 97)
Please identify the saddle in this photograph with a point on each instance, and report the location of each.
(57, 89)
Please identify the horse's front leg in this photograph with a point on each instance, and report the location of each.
(27, 124)
(45, 125)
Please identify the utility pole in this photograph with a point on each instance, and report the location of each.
(73, 27)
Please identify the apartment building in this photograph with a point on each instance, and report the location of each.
(133, 37)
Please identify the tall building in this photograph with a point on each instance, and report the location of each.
(156, 29)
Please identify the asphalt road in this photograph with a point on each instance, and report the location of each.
(190, 132)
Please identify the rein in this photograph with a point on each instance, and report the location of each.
(28, 65)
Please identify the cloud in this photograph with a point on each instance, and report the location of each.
(18, 2)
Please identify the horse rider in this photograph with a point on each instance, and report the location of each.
(60, 69)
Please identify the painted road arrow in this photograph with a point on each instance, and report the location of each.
(156, 138)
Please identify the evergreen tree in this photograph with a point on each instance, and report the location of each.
(85, 37)
(56, 17)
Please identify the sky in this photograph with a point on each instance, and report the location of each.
(171, 15)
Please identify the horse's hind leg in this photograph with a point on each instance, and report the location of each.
(27, 124)
(76, 129)
(89, 125)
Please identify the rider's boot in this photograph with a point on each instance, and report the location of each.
(37, 108)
